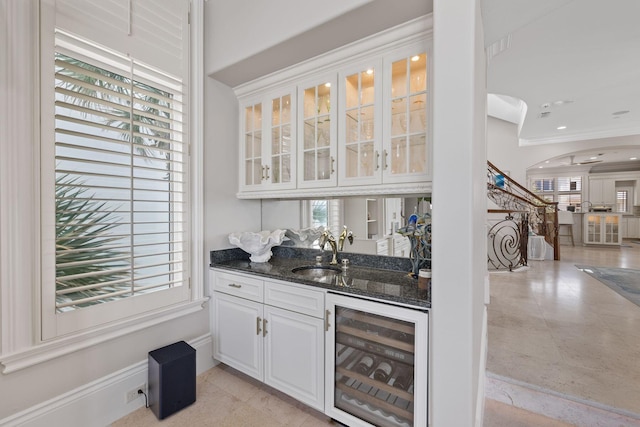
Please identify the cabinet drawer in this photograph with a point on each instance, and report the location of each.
(238, 285)
(293, 298)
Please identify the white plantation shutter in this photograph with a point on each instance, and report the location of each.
(115, 153)
(154, 32)
(119, 149)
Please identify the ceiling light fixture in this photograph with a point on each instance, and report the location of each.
(633, 158)
(561, 127)
(592, 158)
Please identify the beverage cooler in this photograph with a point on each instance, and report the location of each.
(376, 364)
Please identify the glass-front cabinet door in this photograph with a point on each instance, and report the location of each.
(317, 133)
(406, 127)
(268, 153)
(251, 162)
(359, 140)
(280, 167)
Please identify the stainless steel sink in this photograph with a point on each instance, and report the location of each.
(317, 271)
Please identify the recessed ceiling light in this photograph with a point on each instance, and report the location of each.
(561, 127)
(539, 167)
(592, 158)
(633, 158)
(547, 161)
(621, 112)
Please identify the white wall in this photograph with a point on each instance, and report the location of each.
(281, 214)
(459, 238)
(49, 379)
(224, 213)
(245, 27)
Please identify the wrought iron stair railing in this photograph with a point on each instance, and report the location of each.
(525, 212)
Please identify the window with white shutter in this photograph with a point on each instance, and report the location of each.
(115, 164)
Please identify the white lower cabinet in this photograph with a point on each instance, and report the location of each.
(602, 229)
(294, 355)
(271, 331)
(238, 334)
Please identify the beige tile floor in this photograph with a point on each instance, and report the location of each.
(228, 398)
(558, 328)
(549, 325)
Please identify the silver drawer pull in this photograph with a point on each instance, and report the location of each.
(258, 329)
(327, 325)
(264, 327)
(233, 285)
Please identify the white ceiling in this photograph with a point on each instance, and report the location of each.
(548, 52)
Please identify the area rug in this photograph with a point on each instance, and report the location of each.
(625, 281)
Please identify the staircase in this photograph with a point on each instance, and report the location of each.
(518, 213)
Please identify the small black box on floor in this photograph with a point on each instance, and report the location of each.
(172, 378)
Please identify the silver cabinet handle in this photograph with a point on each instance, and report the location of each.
(267, 172)
(262, 176)
(333, 162)
(258, 330)
(233, 285)
(264, 328)
(327, 315)
(384, 160)
(377, 160)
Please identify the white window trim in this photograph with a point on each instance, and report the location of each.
(20, 345)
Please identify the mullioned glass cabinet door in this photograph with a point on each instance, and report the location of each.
(406, 136)
(317, 134)
(359, 141)
(252, 150)
(279, 169)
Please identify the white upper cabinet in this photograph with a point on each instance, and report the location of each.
(317, 132)
(360, 124)
(406, 147)
(354, 121)
(267, 146)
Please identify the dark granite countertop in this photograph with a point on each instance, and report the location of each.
(380, 277)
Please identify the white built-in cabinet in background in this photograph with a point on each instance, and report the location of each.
(630, 227)
(602, 191)
(602, 229)
(348, 122)
(271, 331)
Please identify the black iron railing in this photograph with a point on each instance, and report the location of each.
(524, 212)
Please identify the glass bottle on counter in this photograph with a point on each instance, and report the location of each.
(383, 371)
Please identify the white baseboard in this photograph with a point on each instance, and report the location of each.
(482, 376)
(102, 401)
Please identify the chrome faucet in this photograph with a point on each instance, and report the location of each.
(327, 237)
